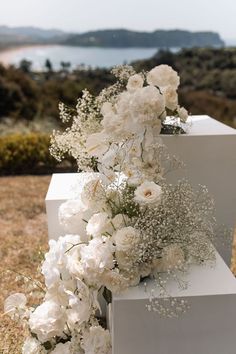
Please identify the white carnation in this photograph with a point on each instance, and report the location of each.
(32, 346)
(15, 305)
(135, 82)
(148, 193)
(162, 76)
(71, 216)
(47, 321)
(62, 348)
(96, 341)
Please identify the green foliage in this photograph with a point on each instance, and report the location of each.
(23, 154)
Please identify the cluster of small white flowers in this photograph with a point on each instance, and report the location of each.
(126, 224)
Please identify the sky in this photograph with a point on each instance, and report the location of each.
(142, 15)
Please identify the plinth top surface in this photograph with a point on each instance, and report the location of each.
(201, 281)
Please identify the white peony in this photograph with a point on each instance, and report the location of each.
(148, 193)
(47, 321)
(96, 144)
(163, 76)
(15, 305)
(72, 215)
(98, 224)
(96, 341)
(62, 348)
(32, 346)
(183, 114)
(147, 104)
(171, 98)
(135, 82)
(126, 238)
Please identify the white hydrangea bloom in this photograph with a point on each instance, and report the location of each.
(48, 320)
(162, 76)
(96, 257)
(135, 82)
(15, 305)
(148, 193)
(71, 216)
(172, 258)
(80, 304)
(96, 341)
(32, 346)
(62, 348)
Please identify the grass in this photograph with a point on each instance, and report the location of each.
(23, 238)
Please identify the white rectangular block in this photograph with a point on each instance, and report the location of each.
(63, 186)
(208, 327)
(209, 153)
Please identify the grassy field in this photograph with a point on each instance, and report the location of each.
(23, 238)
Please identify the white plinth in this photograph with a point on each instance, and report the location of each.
(63, 186)
(208, 327)
(209, 153)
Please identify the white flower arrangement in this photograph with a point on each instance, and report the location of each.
(128, 223)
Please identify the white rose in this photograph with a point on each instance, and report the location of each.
(135, 82)
(47, 321)
(32, 346)
(96, 341)
(162, 76)
(98, 224)
(147, 104)
(15, 305)
(183, 114)
(72, 215)
(114, 281)
(148, 193)
(96, 144)
(126, 238)
(171, 98)
(62, 348)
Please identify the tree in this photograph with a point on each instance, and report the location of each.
(25, 66)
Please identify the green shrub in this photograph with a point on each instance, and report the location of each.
(25, 154)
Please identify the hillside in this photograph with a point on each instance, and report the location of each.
(161, 39)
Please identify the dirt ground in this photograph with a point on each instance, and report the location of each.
(23, 240)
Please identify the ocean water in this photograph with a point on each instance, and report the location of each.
(93, 57)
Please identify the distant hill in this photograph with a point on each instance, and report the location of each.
(160, 39)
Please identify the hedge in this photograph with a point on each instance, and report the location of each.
(26, 154)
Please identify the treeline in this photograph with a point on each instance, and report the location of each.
(208, 85)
